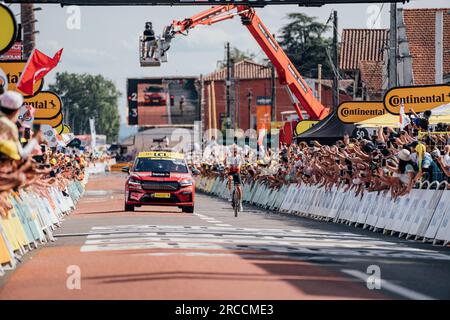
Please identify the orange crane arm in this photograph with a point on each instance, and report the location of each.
(287, 73)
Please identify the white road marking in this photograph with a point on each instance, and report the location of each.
(389, 286)
(223, 224)
(132, 237)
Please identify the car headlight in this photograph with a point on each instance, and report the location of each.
(186, 183)
(134, 181)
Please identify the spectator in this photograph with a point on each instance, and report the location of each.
(10, 104)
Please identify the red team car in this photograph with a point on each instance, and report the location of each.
(155, 95)
(161, 179)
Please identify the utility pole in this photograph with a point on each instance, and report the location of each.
(393, 47)
(228, 81)
(27, 20)
(335, 61)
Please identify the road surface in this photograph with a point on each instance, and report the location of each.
(153, 115)
(161, 253)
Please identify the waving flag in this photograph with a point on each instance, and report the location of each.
(37, 67)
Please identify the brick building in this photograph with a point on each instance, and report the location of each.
(427, 35)
(253, 80)
(363, 59)
(423, 53)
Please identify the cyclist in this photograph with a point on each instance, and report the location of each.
(233, 163)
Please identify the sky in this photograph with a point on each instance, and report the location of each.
(106, 41)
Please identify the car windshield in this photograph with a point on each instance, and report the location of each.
(154, 89)
(153, 165)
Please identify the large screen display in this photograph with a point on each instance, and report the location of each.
(163, 101)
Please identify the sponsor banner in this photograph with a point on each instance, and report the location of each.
(13, 71)
(160, 155)
(47, 105)
(63, 129)
(356, 111)
(15, 53)
(263, 117)
(8, 29)
(54, 122)
(303, 125)
(66, 129)
(418, 98)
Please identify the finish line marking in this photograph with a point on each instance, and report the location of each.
(389, 286)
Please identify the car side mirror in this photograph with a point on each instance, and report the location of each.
(126, 169)
(195, 172)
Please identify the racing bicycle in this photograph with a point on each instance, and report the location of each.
(236, 201)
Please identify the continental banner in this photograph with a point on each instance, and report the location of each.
(54, 123)
(356, 111)
(13, 71)
(47, 105)
(418, 98)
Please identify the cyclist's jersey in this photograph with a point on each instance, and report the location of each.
(235, 163)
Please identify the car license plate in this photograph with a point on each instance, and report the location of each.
(161, 195)
(155, 101)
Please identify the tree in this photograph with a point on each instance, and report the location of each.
(304, 42)
(87, 96)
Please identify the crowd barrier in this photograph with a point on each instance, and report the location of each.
(33, 218)
(423, 214)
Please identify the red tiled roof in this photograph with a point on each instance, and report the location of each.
(372, 76)
(244, 69)
(420, 31)
(361, 45)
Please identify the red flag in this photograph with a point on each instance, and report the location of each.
(37, 67)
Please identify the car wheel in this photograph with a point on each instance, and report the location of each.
(129, 207)
(188, 209)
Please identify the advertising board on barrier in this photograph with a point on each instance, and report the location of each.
(420, 214)
(418, 98)
(33, 218)
(356, 111)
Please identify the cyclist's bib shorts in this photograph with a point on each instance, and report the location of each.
(236, 177)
